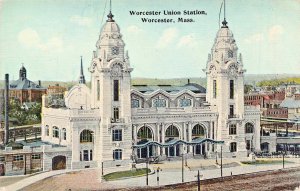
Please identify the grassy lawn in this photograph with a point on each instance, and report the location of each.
(123, 174)
(265, 162)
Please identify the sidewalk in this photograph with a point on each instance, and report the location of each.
(32, 179)
(174, 176)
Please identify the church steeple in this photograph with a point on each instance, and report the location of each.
(22, 73)
(81, 78)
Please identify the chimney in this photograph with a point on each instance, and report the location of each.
(40, 84)
(6, 131)
(188, 81)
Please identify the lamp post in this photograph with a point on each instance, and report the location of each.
(198, 179)
(147, 182)
(221, 161)
(157, 178)
(182, 170)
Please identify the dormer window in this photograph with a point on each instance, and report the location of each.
(159, 102)
(185, 102)
(135, 103)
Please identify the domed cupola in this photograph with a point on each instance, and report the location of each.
(110, 43)
(22, 73)
(224, 47)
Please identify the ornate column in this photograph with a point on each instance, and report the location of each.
(190, 136)
(134, 133)
(158, 138)
(163, 137)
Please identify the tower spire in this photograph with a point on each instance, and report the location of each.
(110, 15)
(224, 21)
(81, 77)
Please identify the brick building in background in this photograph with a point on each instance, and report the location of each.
(24, 90)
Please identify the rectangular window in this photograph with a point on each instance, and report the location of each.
(117, 154)
(35, 156)
(91, 154)
(2, 159)
(248, 144)
(116, 90)
(116, 113)
(231, 111)
(231, 94)
(85, 155)
(233, 147)
(98, 90)
(117, 135)
(232, 129)
(18, 157)
(215, 89)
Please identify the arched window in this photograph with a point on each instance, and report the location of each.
(198, 131)
(233, 147)
(144, 133)
(47, 130)
(172, 131)
(185, 102)
(64, 134)
(249, 128)
(135, 103)
(232, 129)
(55, 132)
(86, 136)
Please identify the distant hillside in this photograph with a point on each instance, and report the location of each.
(249, 79)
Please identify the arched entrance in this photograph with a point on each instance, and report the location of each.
(198, 132)
(59, 162)
(172, 134)
(143, 136)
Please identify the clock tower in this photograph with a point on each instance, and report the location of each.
(225, 90)
(110, 88)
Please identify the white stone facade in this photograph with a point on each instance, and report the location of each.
(100, 125)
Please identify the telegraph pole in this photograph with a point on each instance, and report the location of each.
(221, 161)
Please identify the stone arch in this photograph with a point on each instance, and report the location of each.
(249, 127)
(59, 162)
(205, 126)
(145, 135)
(199, 130)
(172, 131)
(86, 136)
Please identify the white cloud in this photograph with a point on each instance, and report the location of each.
(187, 41)
(134, 29)
(30, 38)
(255, 38)
(82, 21)
(275, 33)
(167, 38)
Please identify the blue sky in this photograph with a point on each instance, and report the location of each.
(49, 36)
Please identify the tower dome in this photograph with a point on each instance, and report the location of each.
(110, 33)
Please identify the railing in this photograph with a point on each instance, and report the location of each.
(233, 116)
(22, 132)
(120, 120)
